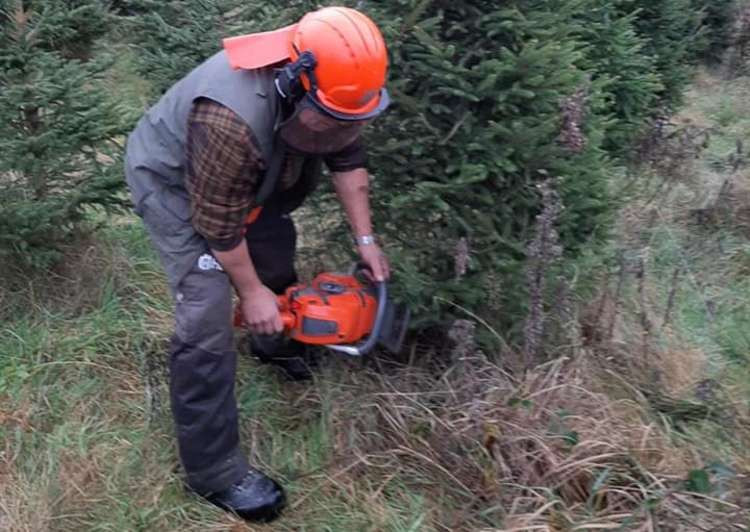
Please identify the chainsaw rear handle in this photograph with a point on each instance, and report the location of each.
(287, 320)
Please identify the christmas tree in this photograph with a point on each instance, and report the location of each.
(57, 125)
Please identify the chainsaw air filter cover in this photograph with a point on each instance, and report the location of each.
(333, 309)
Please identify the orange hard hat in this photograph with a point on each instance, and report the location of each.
(350, 59)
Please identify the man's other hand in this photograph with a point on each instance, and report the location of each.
(260, 310)
(374, 257)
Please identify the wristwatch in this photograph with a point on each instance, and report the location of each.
(364, 240)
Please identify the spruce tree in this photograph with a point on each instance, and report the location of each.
(477, 124)
(624, 73)
(718, 17)
(493, 98)
(672, 30)
(172, 37)
(57, 125)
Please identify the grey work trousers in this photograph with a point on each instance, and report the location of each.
(203, 360)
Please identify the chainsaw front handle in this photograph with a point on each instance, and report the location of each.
(362, 348)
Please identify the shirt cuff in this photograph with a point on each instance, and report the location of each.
(225, 244)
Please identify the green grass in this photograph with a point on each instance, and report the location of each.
(85, 452)
(713, 302)
(710, 314)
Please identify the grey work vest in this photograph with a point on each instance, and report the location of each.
(156, 158)
(158, 142)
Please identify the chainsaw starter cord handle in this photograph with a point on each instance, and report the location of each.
(365, 347)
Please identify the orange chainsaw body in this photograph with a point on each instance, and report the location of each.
(333, 309)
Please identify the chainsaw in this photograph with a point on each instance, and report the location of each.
(343, 312)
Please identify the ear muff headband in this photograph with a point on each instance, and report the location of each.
(289, 78)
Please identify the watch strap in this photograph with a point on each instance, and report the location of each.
(364, 240)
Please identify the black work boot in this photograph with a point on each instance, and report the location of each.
(255, 497)
(294, 359)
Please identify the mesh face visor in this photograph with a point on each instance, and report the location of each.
(310, 130)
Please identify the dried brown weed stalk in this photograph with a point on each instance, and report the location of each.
(542, 253)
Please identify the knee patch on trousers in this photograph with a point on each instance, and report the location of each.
(203, 310)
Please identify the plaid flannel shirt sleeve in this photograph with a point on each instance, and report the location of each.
(350, 158)
(223, 168)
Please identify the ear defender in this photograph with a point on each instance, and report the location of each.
(289, 78)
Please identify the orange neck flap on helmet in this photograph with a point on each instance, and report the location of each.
(259, 50)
